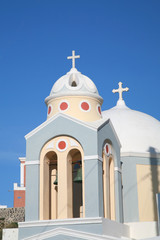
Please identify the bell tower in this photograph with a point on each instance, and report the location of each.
(72, 163)
(74, 94)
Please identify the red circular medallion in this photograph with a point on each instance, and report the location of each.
(62, 145)
(85, 106)
(99, 110)
(63, 106)
(107, 149)
(49, 110)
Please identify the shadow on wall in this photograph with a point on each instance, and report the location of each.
(154, 179)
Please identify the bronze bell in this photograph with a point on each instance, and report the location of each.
(78, 178)
(56, 181)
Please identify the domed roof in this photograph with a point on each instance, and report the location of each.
(137, 131)
(74, 84)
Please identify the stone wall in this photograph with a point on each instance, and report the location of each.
(9, 215)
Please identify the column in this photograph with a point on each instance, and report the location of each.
(93, 186)
(64, 186)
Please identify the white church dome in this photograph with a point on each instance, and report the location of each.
(137, 131)
(72, 84)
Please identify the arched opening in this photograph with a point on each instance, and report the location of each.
(75, 159)
(111, 188)
(50, 187)
(60, 197)
(108, 183)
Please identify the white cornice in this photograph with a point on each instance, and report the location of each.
(18, 188)
(35, 162)
(118, 169)
(59, 222)
(22, 159)
(140, 154)
(91, 157)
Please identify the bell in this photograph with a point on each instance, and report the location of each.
(78, 177)
(56, 181)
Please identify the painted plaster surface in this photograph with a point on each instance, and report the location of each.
(130, 188)
(148, 178)
(74, 109)
(32, 192)
(62, 126)
(93, 188)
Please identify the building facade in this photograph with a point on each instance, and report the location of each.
(90, 174)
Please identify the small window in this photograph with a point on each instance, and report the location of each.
(74, 84)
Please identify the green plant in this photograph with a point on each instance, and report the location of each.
(12, 225)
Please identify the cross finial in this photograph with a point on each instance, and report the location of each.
(120, 90)
(73, 57)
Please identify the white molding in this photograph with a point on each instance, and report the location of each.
(22, 159)
(140, 154)
(91, 157)
(18, 188)
(118, 169)
(32, 162)
(71, 233)
(59, 222)
(22, 173)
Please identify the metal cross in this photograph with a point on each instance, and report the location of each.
(120, 90)
(73, 57)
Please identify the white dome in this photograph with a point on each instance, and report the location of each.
(137, 131)
(72, 84)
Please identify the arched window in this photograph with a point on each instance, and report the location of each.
(75, 158)
(50, 186)
(61, 179)
(108, 182)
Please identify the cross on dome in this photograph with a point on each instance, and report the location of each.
(120, 90)
(73, 57)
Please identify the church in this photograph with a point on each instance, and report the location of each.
(90, 174)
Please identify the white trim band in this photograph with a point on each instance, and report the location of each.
(19, 188)
(32, 162)
(59, 222)
(140, 154)
(118, 169)
(91, 157)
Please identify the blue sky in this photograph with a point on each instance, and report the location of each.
(117, 41)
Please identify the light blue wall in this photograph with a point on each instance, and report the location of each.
(130, 194)
(32, 192)
(93, 188)
(87, 227)
(92, 143)
(60, 126)
(107, 133)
